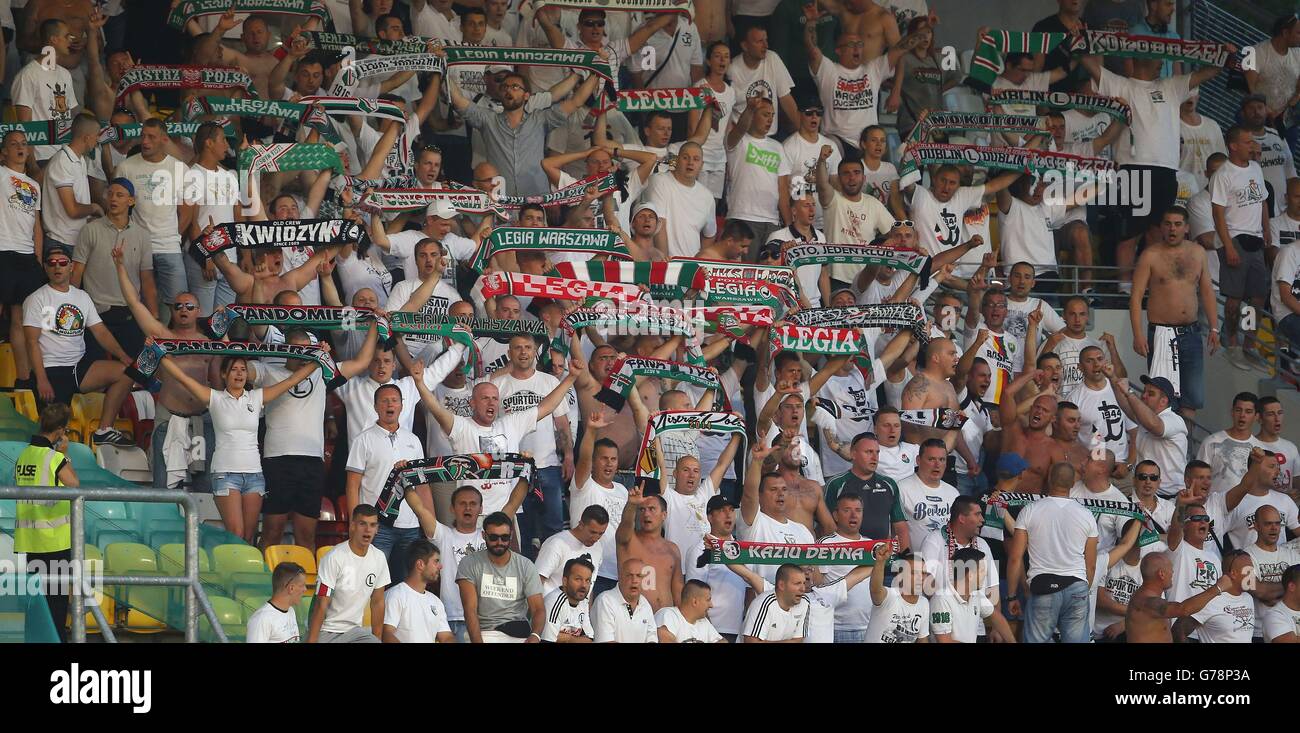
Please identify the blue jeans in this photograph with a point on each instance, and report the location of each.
(202, 288)
(224, 484)
(222, 294)
(1065, 611)
(543, 517)
(393, 542)
(1191, 365)
(850, 636)
(971, 485)
(460, 631)
(169, 275)
(202, 482)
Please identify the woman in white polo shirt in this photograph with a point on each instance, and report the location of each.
(236, 468)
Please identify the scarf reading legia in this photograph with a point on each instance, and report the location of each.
(877, 315)
(1023, 160)
(557, 288)
(665, 279)
(1063, 100)
(278, 157)
(323, 317)
(188, 10)
(147, 362)
(735, 291)
(664, 100)
(182, 77)
(283, 233)
(226, 106)
(622, 377)
(448, 469)
(817, 340)
(945, 122)
(593, 241)
(740, 552)
(1098, 507)
(648, 464)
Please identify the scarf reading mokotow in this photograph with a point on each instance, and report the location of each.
(1128, 509)
(146, 363)
(289, 157)
(188, 10)
(798, 254)
(558, 288)
(455, 469)
(648, 464)
(182, 77)
(1064, 100)
(593, 241)
(664, 100)
(622, 377)
(945, 122)
(41, 132)
(665, 279)
(321, 317)
(1023, 160)
(740, 552)
(878, 315)
(283, 233)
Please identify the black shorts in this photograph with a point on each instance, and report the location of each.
(66, 382)
(20, 276)
(1160, 190)
(294, 484)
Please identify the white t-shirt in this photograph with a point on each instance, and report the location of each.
(898, 462)
(1026, 238)
(766, 620)
(1277, 164)
(295, 424)
(1196, 143)
(768, 529)
(520, 395)
(1194, 570)
(402, 245)
(235, 421)
(939, 223)
(926, 508)
(934, 550)
(357, 273)
(1285, 477)
(1018, 311)
(1227, 619)
(270, 625)
(754, 166)
(22, 202)
(1099, 415)
(349, 580)
(824, 601)
(66, 169)
(961, 617)
(155, 201)
(613, 622)
(689, 212)
(1036, 81)
(1121, 580)
(1110, 527)
(676, 66)
(559, 549)
(854, 222)
(728, 592)
(849, 406)
(1153, 138)
(1269, 567)
(1058, 529)
(1227, 457)
(373, 453)
(715, 147)
(502, 436)
(454, 546)
(1169, 451)
(1286, 270)
(1241, 520)
(1281, 619)
(895, 621)
(1241, 191)
(613, 499)
(688, 520)
(803, 157)
(700, 632)
(49, 93)
(1068, 349)
(417, 617)
(563, 615)
(771, 80)
(63, 319)
(849, 95)
(439, 304)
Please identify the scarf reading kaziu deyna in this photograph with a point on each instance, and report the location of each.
(740, 552)
(448, 469)
(147, 362)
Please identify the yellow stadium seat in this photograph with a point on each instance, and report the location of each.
(239, 565)
(320, 555)
(25, 403)
(276, 554)
(87, 409)
(144, 606)
(8, 370)
(228, 615)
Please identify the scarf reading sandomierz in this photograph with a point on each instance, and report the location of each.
(289, 157)
(322, 317)
(146, 363)
(622, 377)
(592, 241)
(283, 233)
(558, 288)
(740, 552)
(673, 420)
(182, 77)
(1064, 100)
(448, 469)
(188, 10)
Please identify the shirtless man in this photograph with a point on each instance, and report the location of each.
(266, 281)
(711, 19)
(1175, 273)
(1148, 615)
(875, 25)
(805, 498)
(622, 429)
(931, 389)
(173, 399)
(1065, 433)
(640, 537)
(1030, 439)
(76, 13)
(256, 59)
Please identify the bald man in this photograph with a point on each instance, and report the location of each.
(1148, 615)
(1030, 439)
(931, 389)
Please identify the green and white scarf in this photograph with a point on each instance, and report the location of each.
(622, 378)
(557, 288)
(182, 77)
(994, 45)
(1024, 160)
(1126, 45)
(878, 315)
(648, 464)
(799, 254)
(147, 362)
(320, 107)
(735, 291)
(41, 132)
(133, 130)
(740, 552)
(817, 340)
(346, 81)
(668, 280)
(454, 469)
(1064, 100)
(946, 122)
(404, 323)
(278, 157)
(318, 317)
(567, 196)
(386, 200)
(1098, 507)
(228, 107)
(664, 100)
(188, 10)
(592, 241)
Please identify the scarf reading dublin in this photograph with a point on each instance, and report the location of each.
(289, 157)
(190, 9)
(779, 274)
(878, 315)
(593, 241)
(182, 77)
(665, 279)
(448, 469)
(672, 420)
(1064, 100)
(284, 233)
(41, 132)
(559, 288)
(818, 253)
(146, 364)
(740, 552)
(1096, 506)
(622, 377)
(1024, 160)
(946, 122)
(322, 317)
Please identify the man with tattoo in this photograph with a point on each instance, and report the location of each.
(931, 389)
(1148, 615)
(1030, 439)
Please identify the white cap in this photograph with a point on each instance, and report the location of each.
(442, 209)
(647, 205)
(496, 68)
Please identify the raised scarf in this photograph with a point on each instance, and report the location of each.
(133, 130)
(622, 378)
(462, 467)
(339, 41)
(147, 362)
(686, 7)
(386, 200)
(664, 100)
(946, 122)
(289, 157)
(740, 552)
(227, 106)
(648, 464)
(321, 317)
(914, 261)
(877, 315)
(665, 279)
(995, 44)
(735, 291)
(345, 82)
(182, 77)
(321, 107)
(1064, 100)
(1098, 507)
(570, 194)
(592, 241)
(780, 274)
(1023, 160)
(283, 233)
(944, 418)
(190, 9)
(557, 288)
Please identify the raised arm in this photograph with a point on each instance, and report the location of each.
(753, 477)
(1136, 409)
(149, 325)
(557, 396)
(269, 394)
(201, 392)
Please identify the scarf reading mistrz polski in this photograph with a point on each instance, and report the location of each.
(182, 77)
(559, 288)
(648, 465)
(322, 317)
(877, 315)
(740, 552)
(283, 233)
(147, 362)
(1064, 100)
(622, 377)
(289, 157)
(188, 10)
(591, 241)
(448, 469)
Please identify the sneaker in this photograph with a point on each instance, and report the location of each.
(1237, 359)
(112, 436)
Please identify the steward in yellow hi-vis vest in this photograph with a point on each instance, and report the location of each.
(43, 528)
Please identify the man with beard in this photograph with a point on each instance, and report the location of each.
(1102, 424)
(568, 612)
(640, 539)
(763, 514)
(352, 575)
(1147, 619)
(931, 390)
(1031, 438)
(413, 615)
(500, 590)
(460, 539)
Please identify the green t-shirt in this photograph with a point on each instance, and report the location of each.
(880, 503)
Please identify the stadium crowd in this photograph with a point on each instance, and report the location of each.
(714, 277)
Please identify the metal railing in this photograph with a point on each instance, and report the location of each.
(195, 597)
(1210, 22)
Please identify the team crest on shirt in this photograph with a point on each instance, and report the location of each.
(687, 39)
(1157, 96)
(760, 88)
(1206, 574)
(69, 320)
(24, 196)
(370, 580)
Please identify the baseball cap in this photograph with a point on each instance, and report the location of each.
(1253, 98)
(124, 183)
(1164, 385)
(1011, 464)
(647, 205)
(441, 209)
(837, 291)
(718, 502)
(56, 248)
(498, 68)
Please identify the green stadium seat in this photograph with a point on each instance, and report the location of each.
(229, 615)
(240, 565)
(145, 606)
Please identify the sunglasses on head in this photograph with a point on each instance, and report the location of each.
(1147, 476)
(903, 223)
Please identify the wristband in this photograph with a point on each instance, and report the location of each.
(539, 636)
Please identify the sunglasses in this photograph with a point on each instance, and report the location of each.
(903, 223)
(813, 111)
(498, 537)
(58, 263)
(593, 24)
(851, 44)
(185, 306)
(1199, 518)
(1147, 476)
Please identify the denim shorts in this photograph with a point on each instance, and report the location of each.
(242, 483)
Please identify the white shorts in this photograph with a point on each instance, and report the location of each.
(496, 637)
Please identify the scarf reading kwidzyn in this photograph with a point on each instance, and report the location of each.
(133, 131)
(1064, 100)
(462, 467)
(622, 377)
(322, 317)
(147, 362)
(1024, 160)
(557, 288)
(878, 315)
(1096, 506)
(41, 132)
(289, 157)
(914, 261)
(740, 552)
(592, 241)
(779, 274)
(648, 463)
(945, 122)
(283, 233)
(665, 279)
(182, 77)
(664, 100)
(188, 10)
